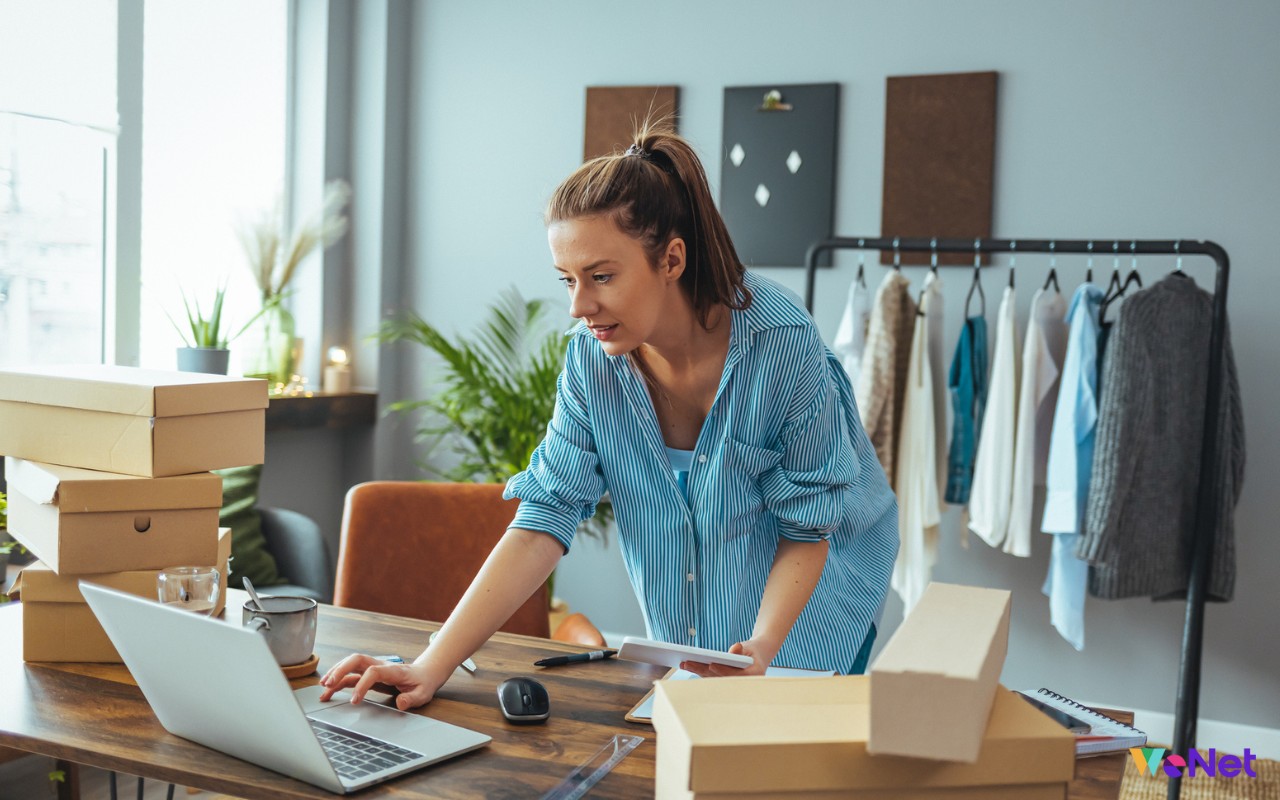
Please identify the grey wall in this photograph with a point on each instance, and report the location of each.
(1148, 119)
(1142, 119)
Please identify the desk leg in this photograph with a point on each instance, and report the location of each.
(68, 789)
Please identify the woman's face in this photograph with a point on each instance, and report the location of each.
(612, 286)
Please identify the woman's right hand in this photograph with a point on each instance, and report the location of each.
(414, 682)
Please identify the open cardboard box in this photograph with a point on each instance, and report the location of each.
(57, 624)
(80, 521)
(133, 421)
(932, 685)
(807, 738)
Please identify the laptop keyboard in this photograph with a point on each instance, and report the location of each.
(355, 755)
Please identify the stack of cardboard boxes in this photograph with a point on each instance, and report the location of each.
(108, 473)
(930, 722)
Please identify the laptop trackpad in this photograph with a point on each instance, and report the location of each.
(374, 719)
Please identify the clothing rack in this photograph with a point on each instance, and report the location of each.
(1188, 698)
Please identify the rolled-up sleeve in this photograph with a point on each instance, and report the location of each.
(563, 482)
(806, 490)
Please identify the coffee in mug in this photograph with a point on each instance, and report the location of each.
(288, 623)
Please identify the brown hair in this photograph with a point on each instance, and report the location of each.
(656, 191)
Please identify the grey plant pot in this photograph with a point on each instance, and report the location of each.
(203, 359)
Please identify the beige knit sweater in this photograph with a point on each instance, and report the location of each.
(882, 382)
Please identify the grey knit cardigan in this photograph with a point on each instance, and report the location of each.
(1140, 513)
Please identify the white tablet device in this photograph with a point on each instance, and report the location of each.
(670, 655)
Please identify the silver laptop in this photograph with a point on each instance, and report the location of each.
(217, 684)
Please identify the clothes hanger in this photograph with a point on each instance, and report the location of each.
(933, 256)
(977, 282)
(1120, 288)
(1133, 277)
(1053, 269)
(1052, 277)
(1088, 273)
(1113, 285)
(897, 256)
(861, 278)
(1177, 248)
(1013, 259)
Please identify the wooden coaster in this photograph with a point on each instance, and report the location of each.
(302, 670)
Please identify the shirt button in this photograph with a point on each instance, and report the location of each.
(689, 577)
(702, 459)
(693, 631)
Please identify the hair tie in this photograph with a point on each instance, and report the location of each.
(637, 150)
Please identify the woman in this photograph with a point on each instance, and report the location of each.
(752, 513)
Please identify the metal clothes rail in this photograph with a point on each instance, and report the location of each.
(1188, 698)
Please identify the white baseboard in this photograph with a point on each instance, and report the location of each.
(1227, 737)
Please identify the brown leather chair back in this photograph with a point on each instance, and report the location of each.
(577, 629)
(411, 549)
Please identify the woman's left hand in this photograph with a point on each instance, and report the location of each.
(760, 653)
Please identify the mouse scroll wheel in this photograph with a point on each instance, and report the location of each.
(527, 699)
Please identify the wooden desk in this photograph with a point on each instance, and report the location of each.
(94, 714)
(1099, 777)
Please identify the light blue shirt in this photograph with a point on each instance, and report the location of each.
(1070, 465)
(781, 454)
(681, 462)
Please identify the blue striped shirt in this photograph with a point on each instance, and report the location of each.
(781, 454)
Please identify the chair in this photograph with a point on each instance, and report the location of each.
(412, 548)
(577, 629)
(297, 544)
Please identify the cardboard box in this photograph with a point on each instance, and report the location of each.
(807, 737)
(57, 624)
(78, 521)
(932, 685)
(133, 421)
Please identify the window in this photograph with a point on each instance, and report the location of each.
(57, 139)
(53, 185)
(213, 155)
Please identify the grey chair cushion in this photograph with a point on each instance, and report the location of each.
(298, 546)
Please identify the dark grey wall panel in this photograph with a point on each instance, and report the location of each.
(777, 174)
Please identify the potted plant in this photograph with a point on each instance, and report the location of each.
(497, 392)
(272, 349)
(206, 349)
(7, 546)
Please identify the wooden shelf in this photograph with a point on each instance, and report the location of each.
(349, 410)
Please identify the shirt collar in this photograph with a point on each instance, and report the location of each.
(772, 306)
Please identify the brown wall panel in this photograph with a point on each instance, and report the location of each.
(614, 113)
(939, 159)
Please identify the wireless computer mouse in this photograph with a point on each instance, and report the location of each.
(524, 700)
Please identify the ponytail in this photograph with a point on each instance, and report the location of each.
(656, 191)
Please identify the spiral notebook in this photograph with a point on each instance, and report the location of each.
(1104, 734)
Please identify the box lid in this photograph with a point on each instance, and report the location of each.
(933, 686)
(133, 391)
(931, 629)
(74, 490)
(763, 734)
(37, 583)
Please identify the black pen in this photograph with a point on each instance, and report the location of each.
(594, 655)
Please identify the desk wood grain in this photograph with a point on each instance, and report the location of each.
(94, 714)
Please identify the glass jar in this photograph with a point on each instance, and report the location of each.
(269, 348)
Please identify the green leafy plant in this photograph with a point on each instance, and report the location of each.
(7, 546)
(497, 391)
(205, 331)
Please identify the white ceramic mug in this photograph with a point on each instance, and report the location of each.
(288, 623)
